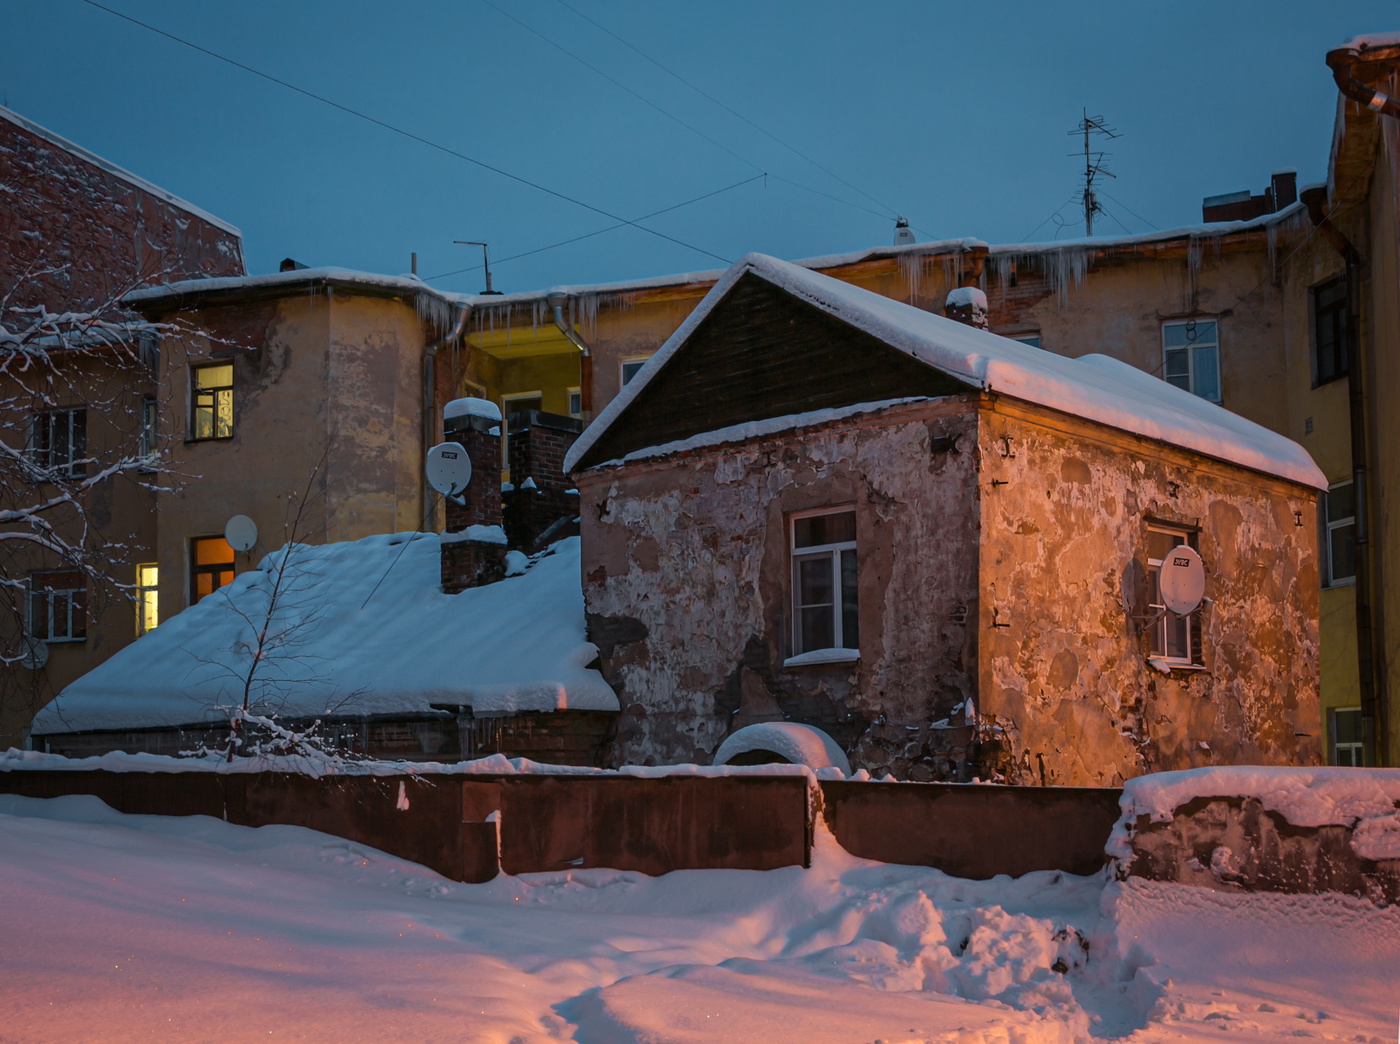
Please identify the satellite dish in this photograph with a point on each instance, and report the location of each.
(449, 468)
(241, 532)
(33, 653)
(1182, 580)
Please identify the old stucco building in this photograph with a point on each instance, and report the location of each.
(937, 545)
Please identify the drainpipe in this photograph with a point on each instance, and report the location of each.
(1341, 61)
(1373, 716)
(585, 363)
(430, 409)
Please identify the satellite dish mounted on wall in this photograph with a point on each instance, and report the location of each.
(1182, 580)
(241, 532)
(33, 652)
(449, 470)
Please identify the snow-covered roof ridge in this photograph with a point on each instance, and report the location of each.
(111, 168)
(1094, 387)
(295, 277)
(515, 645)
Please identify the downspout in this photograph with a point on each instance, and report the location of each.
(1373, 718)
(585, 363)
(430, 409)
(1341, 61)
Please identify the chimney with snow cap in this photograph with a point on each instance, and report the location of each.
(968, 305)
(473, 546)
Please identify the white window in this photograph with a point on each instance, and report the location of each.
(58, 443)
(1191, 357)
(825, 612)
(1348, 743)
(147, 598)
(1175, 639)
(576, 402)
(1339, 516)
(56, 607)
(631, 367)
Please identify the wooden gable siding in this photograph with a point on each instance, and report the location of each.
(762, 353)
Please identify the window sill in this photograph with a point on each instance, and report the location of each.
(1348, 582)
(1167, 666)
(217, 438)
(820, 656)
(62, 641)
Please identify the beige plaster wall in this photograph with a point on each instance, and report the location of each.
(686, 586)
(1065, 512)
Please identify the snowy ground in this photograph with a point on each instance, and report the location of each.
(118, 928)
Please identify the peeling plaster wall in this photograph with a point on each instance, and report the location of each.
(1064, 534)
(686, 586)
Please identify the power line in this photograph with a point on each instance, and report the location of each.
(599, 232)
(733, 112)
(1133, 212)
(400, 131)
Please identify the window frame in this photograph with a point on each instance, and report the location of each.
(833, 552)
(1190, 351)
(630, 360)
(196, 391)
(41, 449)
(1330, 525)
(197, 570)
(1356, 747)
(73, 598)
(1158, 638)
(571, 395)
(147, 590)
(1341, 351)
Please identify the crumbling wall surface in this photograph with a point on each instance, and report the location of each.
(1235, 844)
(1065, 683)
(687, 588)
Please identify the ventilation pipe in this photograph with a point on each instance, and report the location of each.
(1342, 61)
(1372, 710)
(430, 410)
(585, 363)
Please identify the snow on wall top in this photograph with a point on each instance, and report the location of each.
(470, 407)
(112, 168)
(510, 646)
(1371, 41)
(406, 284)
(1094, 387)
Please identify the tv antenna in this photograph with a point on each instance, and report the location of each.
(485, 261)
(1093, 164)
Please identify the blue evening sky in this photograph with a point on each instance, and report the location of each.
(952, 114)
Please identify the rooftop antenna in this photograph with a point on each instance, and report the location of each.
(485, 260)
(1093, 164)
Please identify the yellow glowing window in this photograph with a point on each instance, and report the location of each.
(211, 566)
(213, 402)
(147, 599)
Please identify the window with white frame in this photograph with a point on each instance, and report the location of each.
(1339, 519)
(825, 609)
(1175, 640)
(57, 606)
(629, 368)
(58, 443)
(1191, 357)
(576, 402)
(1348, 741)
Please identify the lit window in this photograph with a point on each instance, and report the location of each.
(631, 367)
(1174, 639)
(57, 610)
(213, 402)
(58, 444)
(211, 566)
(1339, 515)
(824, 591)
(147, 599)
(1329, 305)
(1191, 357)
(1348, 742)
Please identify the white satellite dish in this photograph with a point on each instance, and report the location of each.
(33, 652)
(449, 468)
(1182, 580)
(241, 532)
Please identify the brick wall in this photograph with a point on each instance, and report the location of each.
(539, 442)
(102, 232)
(471, 563)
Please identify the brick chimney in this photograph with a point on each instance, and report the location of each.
(473, 545)
(967, 305)
(542, 502)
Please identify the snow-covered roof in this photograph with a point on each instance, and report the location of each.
(516, 645)
(405, 284)
(112, 168)
(1372, 41)
(1094, 387)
